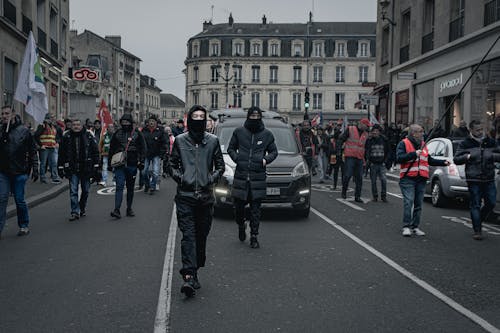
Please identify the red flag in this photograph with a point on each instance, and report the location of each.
(104, 116)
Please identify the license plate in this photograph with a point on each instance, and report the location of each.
(273, 191)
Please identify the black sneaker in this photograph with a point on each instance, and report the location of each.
(146, 189)
(358, 200)
(188, 287)
(344, 195)
(196, 283)
(74, 217)
(83, 213)
(384, 199)
(116, 214)
(130, 212)
(242, 235)
(23, 231)
(152, 191)
(254, 243)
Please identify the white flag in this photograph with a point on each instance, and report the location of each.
(373, 119)
(30, 88)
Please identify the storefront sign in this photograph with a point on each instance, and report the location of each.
(451, 83)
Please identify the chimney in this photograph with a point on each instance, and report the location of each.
(116, 40)
(264, 20)
(231, 20)
(73, 34)
(206, 25)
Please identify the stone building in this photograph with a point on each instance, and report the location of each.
(149, 98)
(172, 108)
(271, 65)
(48, 19)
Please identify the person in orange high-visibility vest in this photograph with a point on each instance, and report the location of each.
(354, 152)
(412, 153)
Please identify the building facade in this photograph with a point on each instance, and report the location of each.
(48, 20)
(149, 98)
(271, 66)
(119, 70)
(172, 108)
(427, 50)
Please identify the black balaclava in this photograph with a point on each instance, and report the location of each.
(307, 128)
(127, 116)
(196, 127)
(254, 125)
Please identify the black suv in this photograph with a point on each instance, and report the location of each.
(288, 177)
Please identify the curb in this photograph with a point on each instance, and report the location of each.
(38, 199)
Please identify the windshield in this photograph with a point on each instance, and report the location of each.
(283, 138)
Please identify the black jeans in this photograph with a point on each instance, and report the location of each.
(336, 167)
(194, 220)
(239, 212)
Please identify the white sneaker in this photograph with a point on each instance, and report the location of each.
(406, 232)
(102, 183)
(418, 232)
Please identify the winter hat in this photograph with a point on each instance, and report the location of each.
(254, 110)
(127, 116)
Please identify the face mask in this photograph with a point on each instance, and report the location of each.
(197, 125)
(127, 128)
(253, 125)
(306, 129)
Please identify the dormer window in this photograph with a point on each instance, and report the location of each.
(214, 48)
(238, 48)
(297, 48)
(274, 48)
(318, 49)
(363, 49)
(196, 49)
(340, 48)
(256, 47)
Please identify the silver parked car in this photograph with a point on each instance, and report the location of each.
(445, 182)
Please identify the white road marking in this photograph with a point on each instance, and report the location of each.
(426, 286)
(468, 223)
(162, 320)
(395, 195)
(345, 202)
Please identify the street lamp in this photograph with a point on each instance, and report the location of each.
(226, 79)
(239, 89)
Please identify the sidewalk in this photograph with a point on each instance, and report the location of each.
(37, 193)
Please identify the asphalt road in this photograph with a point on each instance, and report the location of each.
(346, 268)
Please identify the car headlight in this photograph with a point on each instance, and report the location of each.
(300, 170)
(228, 172)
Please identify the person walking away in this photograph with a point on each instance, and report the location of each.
(196, 165)
(156, 145)
(18, 159)
(377, 154)
(170, 145)
(104, 144)
(45, 137)
(479, 153)
(354, 139)
(129, 141)
(414, 158)
(252, 148)
(336, 161)
(78, 162)
(308, 143)
(323, 143)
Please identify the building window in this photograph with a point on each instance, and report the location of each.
(273, 74)
(237, 99)
(196, 97)
(404, 54)
(196, 74)
(215, 74)
(215, 100)
(255, 74)
(317, 74)
(363, 105)
(296, 102)
(428, 27)
(273, 101)
(297, 74)
(256, 49)
(363, 51)
(53, 23)
(40, 13)
(238, 49)
(274, 50)
(317, 101)
(363, 73)
(297, 50)
(195, 50)
(256, 99)
(339, 101)
(237, 78)
(340, 74)
(214, 49)
(8, 81)
(457, 19)
(318, 47)
(174, 114)
(341, 49)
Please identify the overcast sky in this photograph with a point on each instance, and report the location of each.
(157, 30)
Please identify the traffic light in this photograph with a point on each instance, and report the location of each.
(306, 100)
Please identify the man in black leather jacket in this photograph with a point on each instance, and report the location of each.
(130, 140)
(252, 148)
(78, 161)
(18, 158)
(479, 154)
(196, 164)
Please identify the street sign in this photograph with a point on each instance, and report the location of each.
(369, 99)
(407, 76)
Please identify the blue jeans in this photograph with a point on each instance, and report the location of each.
(14, 184)
(78, 206)
(150, 177)
(105, 160)
(48, 157)
(481, 191)
(125, 175)
(413, 197)
(378, 171)
(353, 167)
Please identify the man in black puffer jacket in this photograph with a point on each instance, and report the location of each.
(251, 147)
(479, 154)
(78, 161)
(18, 158)
(196, 165)
(131, 141)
